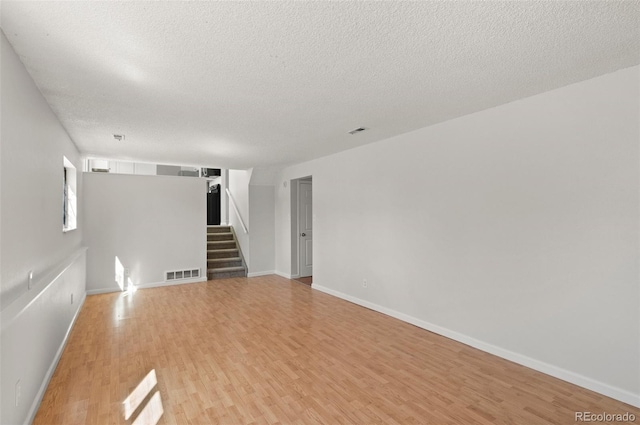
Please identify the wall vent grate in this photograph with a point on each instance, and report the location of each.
(181, 274)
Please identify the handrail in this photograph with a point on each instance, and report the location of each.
(233, 204)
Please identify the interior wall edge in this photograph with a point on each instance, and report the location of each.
(283, 274)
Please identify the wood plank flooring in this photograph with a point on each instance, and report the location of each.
(268, 350)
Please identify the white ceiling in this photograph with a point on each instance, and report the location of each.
(244, 84)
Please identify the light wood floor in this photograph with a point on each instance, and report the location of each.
(269, 350)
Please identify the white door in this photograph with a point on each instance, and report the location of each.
(305, 227)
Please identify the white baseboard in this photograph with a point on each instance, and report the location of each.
(52, 368)
(171, 283)
(256, 274)
(285, 275)
(557, 372)
(102, 291)
(148, 285)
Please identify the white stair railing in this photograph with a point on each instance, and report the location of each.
(235, 208)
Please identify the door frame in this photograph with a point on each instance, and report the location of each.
(295, 224)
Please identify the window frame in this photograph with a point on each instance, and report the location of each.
(69, 196)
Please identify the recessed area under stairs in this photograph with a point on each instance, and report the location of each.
(224, 258)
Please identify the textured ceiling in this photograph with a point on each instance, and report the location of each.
(244, 84)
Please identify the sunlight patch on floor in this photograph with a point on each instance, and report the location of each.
(153, 410)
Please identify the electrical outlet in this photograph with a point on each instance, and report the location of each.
(126, 271)
(30, 279)
(18, 391)
(364, 283)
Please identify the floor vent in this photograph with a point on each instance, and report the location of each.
(181, 274)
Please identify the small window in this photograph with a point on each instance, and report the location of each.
(70, 201)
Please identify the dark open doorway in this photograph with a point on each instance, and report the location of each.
(213, 205)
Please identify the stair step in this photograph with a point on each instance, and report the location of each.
(218, 229)
(223, 259)
(226, 272)
(226, 269)
(221, 244)
(220, 263)
(221, 236)
(222, 253)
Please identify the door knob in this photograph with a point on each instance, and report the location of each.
(303, 234)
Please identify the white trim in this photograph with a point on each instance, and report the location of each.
(103, 291)
(285, 275)
(555, 371)
(171, 283)
(265, 273)
(52, 368)
(149, 285)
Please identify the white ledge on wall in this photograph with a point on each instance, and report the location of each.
(40, 284)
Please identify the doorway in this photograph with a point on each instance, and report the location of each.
(213, 205)
(217, 205)
(302, 230)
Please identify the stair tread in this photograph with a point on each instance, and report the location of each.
(224, 259)
(216, 229)
(226, 269)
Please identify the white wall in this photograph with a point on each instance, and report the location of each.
(253, 192)
(152, 224)
(33, 145)
(514, 229)
(238, 184)
(34, 332)
(35, 322)
(262, 218)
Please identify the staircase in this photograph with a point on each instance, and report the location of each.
(224, 259)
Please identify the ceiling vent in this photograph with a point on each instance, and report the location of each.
(357, 130)
(119, 137)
